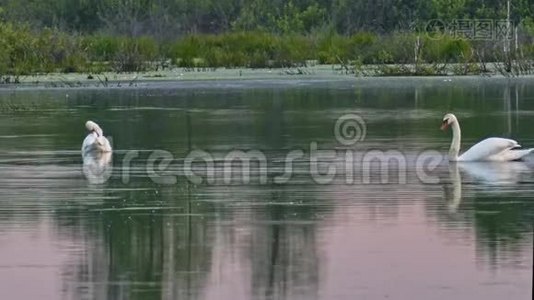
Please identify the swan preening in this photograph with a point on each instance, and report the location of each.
(490, 149)
(95, 140)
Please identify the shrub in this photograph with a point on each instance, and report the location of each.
(26, 51)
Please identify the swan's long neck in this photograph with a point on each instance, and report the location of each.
(455, 145)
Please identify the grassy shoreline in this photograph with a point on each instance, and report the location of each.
(133, 79)
(62, 56)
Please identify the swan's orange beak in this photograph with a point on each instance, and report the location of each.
(444, 126)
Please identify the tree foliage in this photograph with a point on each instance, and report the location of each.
(171, 18)
(136, 35)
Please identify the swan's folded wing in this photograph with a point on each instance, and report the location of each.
(514, 154)
(488, 148)
(88, 143)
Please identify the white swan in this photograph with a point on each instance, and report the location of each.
(97, 166)
(490, 149)
(95, 141)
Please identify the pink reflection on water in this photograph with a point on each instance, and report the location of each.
(33, 262)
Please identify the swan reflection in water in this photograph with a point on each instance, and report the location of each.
(492, 175)
(97, 166)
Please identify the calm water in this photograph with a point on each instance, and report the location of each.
(139, 229)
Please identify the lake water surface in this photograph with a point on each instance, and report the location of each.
(388, 223)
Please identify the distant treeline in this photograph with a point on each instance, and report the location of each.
(25, 51)
(173, 18)
(138, 35)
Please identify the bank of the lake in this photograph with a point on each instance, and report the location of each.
(27, 52)
(312, 72)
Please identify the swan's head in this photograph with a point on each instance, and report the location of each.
(93, 127)
(448, 120)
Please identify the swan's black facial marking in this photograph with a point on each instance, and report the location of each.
(444, 124)
(93, 130)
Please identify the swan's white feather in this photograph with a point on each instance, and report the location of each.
(95, 141)
(515, 154)
(489, 149)
(92, 126)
